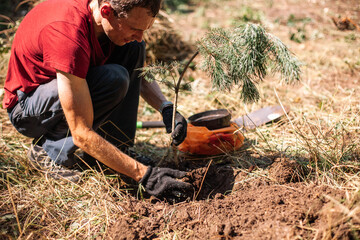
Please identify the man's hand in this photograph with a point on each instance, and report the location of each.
(180, 130)
(158, 180)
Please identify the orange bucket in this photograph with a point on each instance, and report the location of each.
(202, 141)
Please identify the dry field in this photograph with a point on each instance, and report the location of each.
(294, 179)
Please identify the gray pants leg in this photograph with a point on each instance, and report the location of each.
(114, 89)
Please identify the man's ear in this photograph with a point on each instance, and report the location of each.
(105, 10)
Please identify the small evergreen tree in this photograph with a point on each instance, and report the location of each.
(241, 56)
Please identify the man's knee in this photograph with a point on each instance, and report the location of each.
(119, 81)
(108, 81)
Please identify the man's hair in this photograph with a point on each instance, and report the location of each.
(122, 7)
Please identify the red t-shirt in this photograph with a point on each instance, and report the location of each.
(56, 34)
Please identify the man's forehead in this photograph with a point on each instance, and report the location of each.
(139, 18)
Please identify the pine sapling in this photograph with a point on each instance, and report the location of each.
(237, 57)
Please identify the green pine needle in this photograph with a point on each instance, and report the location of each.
(241, 56)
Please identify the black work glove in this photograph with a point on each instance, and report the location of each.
(180, 129)
(158, 181)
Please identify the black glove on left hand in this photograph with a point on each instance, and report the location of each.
(158, 181)
(180, 130)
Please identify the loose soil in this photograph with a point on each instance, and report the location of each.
(232, 204)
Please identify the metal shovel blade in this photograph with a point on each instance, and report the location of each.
(261, 117)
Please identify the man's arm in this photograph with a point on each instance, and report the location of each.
(77, 106)
(151, 93)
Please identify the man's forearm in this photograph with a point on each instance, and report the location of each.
(152, 94)
(105, 152)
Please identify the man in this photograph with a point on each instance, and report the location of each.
(74, 65)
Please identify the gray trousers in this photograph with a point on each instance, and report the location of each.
(114, 89)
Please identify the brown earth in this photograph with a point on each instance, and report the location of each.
(273, 207)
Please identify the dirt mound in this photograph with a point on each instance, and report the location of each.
(209, 181)
(284, 170)
(259, 209)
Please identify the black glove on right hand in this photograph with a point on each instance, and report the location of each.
(159, 180)
(180, 129)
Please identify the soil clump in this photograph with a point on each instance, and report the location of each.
(210, 181)
(284, 170)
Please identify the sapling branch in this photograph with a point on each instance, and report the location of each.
(242, 57)
(177, 87)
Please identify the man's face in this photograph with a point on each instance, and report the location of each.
(131, 28)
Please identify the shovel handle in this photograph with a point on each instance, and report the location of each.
(150, 124)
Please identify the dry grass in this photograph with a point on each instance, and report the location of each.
(33, 206)
(321, 132)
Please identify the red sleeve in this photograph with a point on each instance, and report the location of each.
(66, 48)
